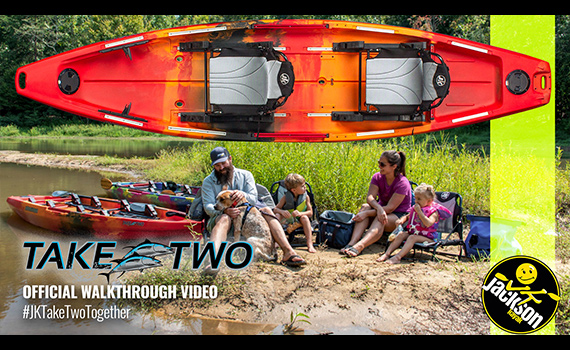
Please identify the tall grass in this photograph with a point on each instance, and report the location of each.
(74, 130)
(340, 173)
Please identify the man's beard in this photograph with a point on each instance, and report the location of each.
(227, 178)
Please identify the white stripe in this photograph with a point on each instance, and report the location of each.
(198, 31)
(465, 46)
(475, 116)
(374, 133)
(123, 120)
(123, 42)
(319, 48)
(197, 131)
(319, 114)
(376, 30)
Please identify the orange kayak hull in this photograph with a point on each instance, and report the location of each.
(59, 215)
(148, 82)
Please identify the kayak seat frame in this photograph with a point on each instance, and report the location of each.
(245, 82)
(403, 81)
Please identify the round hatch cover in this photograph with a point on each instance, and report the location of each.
(68, 81)
(518, 82)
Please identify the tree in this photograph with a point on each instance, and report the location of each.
(562, 76)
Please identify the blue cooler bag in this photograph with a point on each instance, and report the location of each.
(335, 229)
(478, 241)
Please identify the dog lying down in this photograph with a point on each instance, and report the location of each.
(253, 228)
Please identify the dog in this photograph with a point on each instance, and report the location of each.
(254, 228)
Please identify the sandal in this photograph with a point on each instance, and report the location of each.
(352, 250)
(343, 250)
(292, 263)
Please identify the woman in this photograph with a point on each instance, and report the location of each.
(389, 198)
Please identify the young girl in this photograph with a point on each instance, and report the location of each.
(295, 210)
(423, 220)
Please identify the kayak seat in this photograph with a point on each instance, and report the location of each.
(246, 82)
(125, 205)
(75, 199)
(249, 81)
(394, 84)
(404, 81)
(95, 202)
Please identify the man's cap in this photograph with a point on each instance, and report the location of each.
(219, 155)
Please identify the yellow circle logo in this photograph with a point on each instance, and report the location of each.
(520, 295)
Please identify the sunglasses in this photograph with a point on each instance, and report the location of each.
(383, 165)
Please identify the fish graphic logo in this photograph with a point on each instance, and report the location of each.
(133, 263)
(139, 258)
(149, 249)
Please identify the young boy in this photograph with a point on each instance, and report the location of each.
(423, 219)
(295, 210)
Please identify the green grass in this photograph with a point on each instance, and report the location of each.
(74, 130)
(340, 173)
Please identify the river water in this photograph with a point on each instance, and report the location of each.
(94, 146)
(18, 180)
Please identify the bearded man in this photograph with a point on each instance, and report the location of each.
(242, 182)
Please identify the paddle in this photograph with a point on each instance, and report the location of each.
(61, 194)
(106, 184)
(175, 213)
(503, 278)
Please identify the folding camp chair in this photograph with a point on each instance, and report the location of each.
(448, 227)
(278, 190)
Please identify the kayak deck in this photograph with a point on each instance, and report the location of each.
(168, 81)
(101, 217)
(166, 195)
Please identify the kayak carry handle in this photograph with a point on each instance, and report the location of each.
(542, 82)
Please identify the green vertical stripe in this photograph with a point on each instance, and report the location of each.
(523, 152)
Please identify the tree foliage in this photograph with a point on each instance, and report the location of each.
(562, 76)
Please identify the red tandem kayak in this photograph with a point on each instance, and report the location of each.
(289, 81)
(103, 218)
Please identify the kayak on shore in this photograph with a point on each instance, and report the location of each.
(163, 194)
(74, 214)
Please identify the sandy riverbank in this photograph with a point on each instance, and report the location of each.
(416, 297)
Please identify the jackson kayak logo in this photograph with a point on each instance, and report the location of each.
(284, 79)
(520, 295)
(441, 81)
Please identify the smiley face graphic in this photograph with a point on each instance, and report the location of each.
(526, 274)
